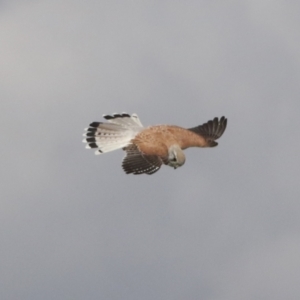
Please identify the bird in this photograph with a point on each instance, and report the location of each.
(148, 148)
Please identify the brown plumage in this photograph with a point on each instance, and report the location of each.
(148, 148)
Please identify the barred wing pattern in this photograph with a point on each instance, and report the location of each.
(212, 130)
(136, 162)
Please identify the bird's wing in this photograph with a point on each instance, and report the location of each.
(212, 130)
(137, 163)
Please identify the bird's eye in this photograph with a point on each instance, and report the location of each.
(173, 159)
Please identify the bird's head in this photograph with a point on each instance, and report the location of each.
(176, 157)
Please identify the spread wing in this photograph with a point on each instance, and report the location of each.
(212, 130)
(137, 163)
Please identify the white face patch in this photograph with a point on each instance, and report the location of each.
(176, 157)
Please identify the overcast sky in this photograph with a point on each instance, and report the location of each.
(225, 226)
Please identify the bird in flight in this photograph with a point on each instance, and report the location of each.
(148, 148)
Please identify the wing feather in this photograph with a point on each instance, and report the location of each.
(137, 163)
(212, 130)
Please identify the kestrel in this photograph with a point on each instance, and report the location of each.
(148, 148)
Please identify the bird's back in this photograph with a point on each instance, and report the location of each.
(160, 137)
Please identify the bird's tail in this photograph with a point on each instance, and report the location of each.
(116, 134)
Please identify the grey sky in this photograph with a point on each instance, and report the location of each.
(225, 226)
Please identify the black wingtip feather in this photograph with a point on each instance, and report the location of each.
(125, 115)
(211, 130)
(95, 124)
(91, 140)
(114, 116)
(93, 145)
(117, 116)
(90, 133)
(108, 117)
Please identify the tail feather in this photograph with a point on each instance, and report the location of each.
(116, 134)
(124, 120)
